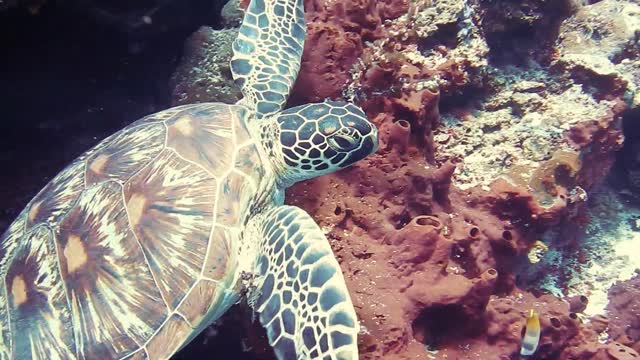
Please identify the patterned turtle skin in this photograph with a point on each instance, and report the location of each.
(150, 236)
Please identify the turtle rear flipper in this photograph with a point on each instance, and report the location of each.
(267, 52)
(302, 301)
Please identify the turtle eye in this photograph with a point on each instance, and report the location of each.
(342, 142)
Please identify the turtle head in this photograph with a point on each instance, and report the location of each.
(317, 139)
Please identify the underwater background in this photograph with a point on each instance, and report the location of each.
(507, 180)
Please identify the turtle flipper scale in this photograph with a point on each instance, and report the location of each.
(267, 53)
(302, 299)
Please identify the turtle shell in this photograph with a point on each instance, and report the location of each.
(129, 248)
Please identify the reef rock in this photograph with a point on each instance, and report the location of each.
(624, 313)
(336, 35)
(520, 30)
(232, 14)
(600, 44)
(204, 73)
(530, 126)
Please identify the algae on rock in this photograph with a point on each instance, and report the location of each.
(602, 41)
(204, 73)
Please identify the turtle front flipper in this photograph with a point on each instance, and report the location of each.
(302, 299)
(267, 52)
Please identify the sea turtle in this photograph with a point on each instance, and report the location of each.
(150, 236)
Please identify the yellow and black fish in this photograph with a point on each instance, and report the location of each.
(531, 335)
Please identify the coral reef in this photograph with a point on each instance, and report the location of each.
(231, 14)
(204, 72)
(478, 159)
(599, 46)
(521, 30)
(624, 313)
(336, 36)
(498, 122)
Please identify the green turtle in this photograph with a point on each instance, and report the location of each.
(150, 236)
